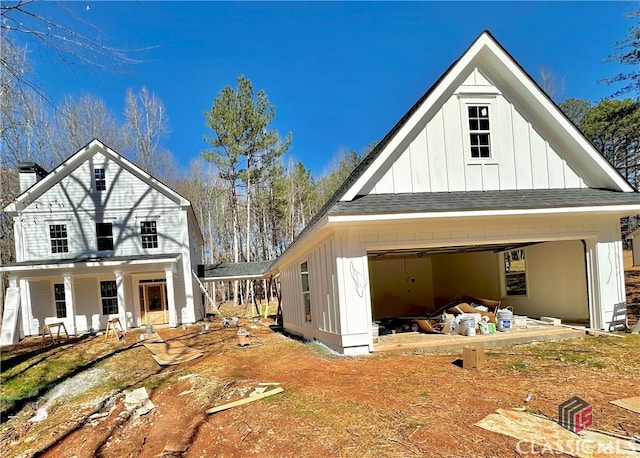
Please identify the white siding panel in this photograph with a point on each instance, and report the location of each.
(521, 151)
(571, 179)
(385, 184)
(402, 173)
(491, 177)
(454, 148)
(437, 157)
(87, 301)
(502, 141)
(481, 80)
(473, 177)
(540, 171)
(420, 163)
(41, 299)
(556, 168)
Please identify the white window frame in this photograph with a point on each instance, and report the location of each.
(484, 100)
(306, 294)
(149, 239)
(64, 247)
(103, 298)
(99, 179)
(505, 274)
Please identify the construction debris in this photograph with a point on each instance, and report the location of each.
(550, 436)
(244, 401)
(137, 402)
(167, 353)
(632, 404)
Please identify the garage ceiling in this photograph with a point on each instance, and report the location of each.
(421, 252)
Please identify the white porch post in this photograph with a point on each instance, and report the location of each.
(171, 298)
(122, 310)
(69, 303)
(29, 328)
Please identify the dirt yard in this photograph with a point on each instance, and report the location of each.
(400, 404)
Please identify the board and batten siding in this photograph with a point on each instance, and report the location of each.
(437, 158)
(323, 288)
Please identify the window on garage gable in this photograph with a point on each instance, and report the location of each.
(479, 131)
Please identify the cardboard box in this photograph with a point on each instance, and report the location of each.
(472, 357)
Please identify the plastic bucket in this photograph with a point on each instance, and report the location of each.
(375, 332)
(468, 326)
(504, 320)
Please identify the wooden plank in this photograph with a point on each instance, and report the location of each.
(632, 404)
(244, 401)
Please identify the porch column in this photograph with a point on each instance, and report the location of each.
(29, 328)
(171, 297)
(69, 303)
(122, 315)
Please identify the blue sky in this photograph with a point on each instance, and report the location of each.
(340, 75)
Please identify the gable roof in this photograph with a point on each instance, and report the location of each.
(485, 50)
(69, 165)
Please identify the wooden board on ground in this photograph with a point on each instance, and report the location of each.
(550, 435)
(244, 401)
(632, 404)
(167, 353)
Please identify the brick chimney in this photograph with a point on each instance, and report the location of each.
(30, 174)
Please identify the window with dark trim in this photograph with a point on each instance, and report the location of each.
(104, 234)
(479, 131)
(100, 179)
(60, 299)
(306, 294)
(149, 233)
(109, 297)
(58, 237)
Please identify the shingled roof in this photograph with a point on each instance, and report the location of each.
(234, 271)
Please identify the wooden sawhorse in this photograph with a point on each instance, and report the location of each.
(48, 329)
(112, 326)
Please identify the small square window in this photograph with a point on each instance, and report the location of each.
(100, 179)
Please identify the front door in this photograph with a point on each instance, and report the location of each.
(153, 304)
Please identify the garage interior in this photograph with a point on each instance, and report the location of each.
(535, 279)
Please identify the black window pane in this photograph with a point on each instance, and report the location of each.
(484, 151)
(484, 124)
(473, 124)
(473, 112)
(484, 139)
(475, 151)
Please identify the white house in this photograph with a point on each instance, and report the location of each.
(483, 188)
(97, 238)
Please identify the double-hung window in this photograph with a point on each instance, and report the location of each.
(104, 234)
(59, 296)
(306, 294)
(58, 237)
(479, 131)
(149, 233)
(99, 179)
(109, 297)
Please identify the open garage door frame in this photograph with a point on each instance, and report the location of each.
(557, 277)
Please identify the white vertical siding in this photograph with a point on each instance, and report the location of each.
(438, 158)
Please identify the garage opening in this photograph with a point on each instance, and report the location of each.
(536, 279)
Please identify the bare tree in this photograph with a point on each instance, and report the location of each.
(147, 125)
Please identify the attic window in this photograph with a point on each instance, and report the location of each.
(479, 131)
(100, 180)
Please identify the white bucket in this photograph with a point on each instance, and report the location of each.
(468, 326)
(504, 319)
(375, 331)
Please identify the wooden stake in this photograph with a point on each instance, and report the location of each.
(244, 401)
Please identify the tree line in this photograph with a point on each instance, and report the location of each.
(249, 201)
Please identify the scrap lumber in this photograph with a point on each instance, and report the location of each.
(168, 353)
(240, 402)
(550, 435)
(591, 331)
(632, 404)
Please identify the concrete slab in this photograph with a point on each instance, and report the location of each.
(446, 343)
